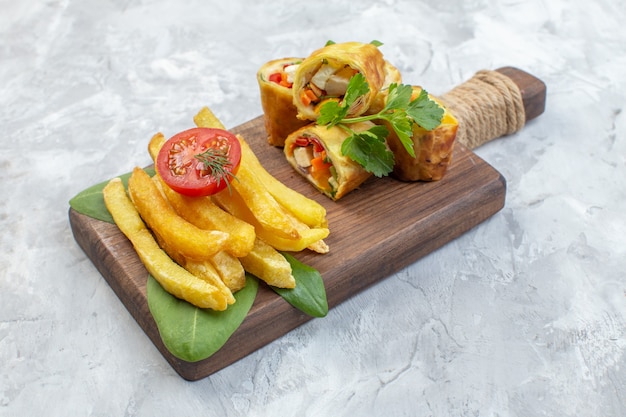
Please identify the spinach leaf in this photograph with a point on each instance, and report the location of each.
(191, 333)
(91, 203)
(309, 295)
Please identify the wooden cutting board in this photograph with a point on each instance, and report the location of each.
(376, 230)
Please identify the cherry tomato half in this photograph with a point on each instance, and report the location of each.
(199, 161)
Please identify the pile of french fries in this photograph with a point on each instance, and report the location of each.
(199, 248)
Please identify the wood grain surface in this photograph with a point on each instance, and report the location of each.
(376, 230)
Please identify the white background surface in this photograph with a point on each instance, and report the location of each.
(522, 316)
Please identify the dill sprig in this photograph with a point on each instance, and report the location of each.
(216, 164)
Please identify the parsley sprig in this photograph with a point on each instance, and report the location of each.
(368, 148)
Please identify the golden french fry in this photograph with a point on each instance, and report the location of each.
(206, 271)
(303, 208)
(230, 270)
(271, 215)
(232, 203)
(173, 277)
(314, 235)
(155, 145)
(320, 247)
(312, 239)
(235, 205)
(201, 269)
(203, 213)
(189, 240)
(267, 264)
(222, 267)
(206, 118)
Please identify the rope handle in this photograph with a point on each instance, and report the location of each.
(495, 103)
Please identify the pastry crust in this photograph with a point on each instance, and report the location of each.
(279, 112)
(392, 76)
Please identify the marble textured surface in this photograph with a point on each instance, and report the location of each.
(522, 316)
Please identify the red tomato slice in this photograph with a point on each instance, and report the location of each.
(317, 145)
(276, 77)
(199, 161)
(302, 141)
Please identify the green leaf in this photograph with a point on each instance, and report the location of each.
(399, 97)
(90, 201)
(357, 87)
(309, 295)
(368, 149)
(403, 127)
(191, 333)
(331, 113)
(425, 112)
(376, 43)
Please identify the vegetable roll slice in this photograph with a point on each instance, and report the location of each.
(315, 153)
(324, 75)
(275, 80)
(433, 149)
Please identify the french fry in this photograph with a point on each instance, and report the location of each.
(320, 246)
(173, 277)
(235, 205)
(206, 270)
(155, 145)
(267, 264)
(271, 215)
(312, 240)
(303, 208)
(189, 240)
(201, 269)
(314, 235)
(223, 269)
(206, 118)
(203, 213)
(230, 270)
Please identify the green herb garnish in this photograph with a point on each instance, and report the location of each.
(217, 165)
(368, 148)
(373, 42)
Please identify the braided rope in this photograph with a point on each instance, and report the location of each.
(487, 106)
